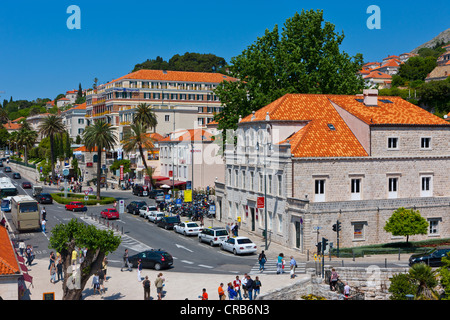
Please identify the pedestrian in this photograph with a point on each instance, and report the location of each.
(228, 228)
(104, 267)
(43, 223)
(52, 273)
(125, 262)
(262, 260)
(221, 292)
(146, 284)
(280, 263)
(44, 213)
(249, 285)
(244, 285)
(95, 283)
(232, 294)
(204, 295)
(59, 270)
(52, 259)
(237, 287)
(101, 280)
(139, 269)
(333, 279)
(293, 265)
(346, 291)
(30, 255)
(159, 284)
(257, 286)
(74, 256)
(22, 247)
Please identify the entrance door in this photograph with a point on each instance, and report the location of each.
(298, 230)
(252, 213)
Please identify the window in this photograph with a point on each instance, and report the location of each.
(356, 189)
(392, 188)
(392, 143)
(434, 227)
(80, 121)
(261, 182)
(426, 188)
(425, 143)
(236, 177)
(358, 231)
(167, 118)
(252, 177)
(280, 185)
(319, 190)
(269, 184)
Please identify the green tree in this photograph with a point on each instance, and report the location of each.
(444, 276)
(406, 222)
(137, 138)
(426, 281)
(100, 136)
(417, 68)
(51, 127)
(401, 285)
(68, 237)
(436, 94)
(145, 116)
(303, 58)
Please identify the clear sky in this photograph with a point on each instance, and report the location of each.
(41, 57)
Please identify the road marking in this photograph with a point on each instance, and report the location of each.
(188, 262)
(205, 266)
(182, 247)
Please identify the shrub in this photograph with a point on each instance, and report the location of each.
(59, 198)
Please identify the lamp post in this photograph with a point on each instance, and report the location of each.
(265, 145)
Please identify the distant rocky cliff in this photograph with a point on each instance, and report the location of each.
(443, 36)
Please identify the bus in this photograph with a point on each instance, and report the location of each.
(25, 213)
(7, 188)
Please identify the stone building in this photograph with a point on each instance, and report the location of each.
(316, 159)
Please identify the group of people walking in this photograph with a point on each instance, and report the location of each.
(238, 289)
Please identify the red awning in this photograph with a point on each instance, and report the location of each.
(23, 267)
(159, 178)
(28, 278)
(20, 259)
(170, 182)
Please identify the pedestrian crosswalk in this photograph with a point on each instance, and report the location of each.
(270, 267)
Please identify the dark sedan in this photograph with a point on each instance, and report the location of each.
(153, 259)
(168, 222)
(26, 185)
(433, 258)
(44, 198)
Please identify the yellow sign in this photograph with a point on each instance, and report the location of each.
(239, 219)
(187, 195)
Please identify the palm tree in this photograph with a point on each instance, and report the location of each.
(137, 138)
(51, 127)
(145, 116)
(426, 281)
(26, 138)
(99, 135)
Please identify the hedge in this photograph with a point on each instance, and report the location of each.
(59, 197)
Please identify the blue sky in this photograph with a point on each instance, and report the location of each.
(40, 57)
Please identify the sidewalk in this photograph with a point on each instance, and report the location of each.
(125, 286)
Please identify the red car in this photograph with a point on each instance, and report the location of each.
(26, 185)
(110, 213)
(76, 206)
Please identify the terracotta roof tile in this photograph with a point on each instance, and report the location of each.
(182, 76)
(8, 261)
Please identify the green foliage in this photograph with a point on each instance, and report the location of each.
(444, 276)
(190, 61)
(436, 94)
(303, 58)
(116, 165)
(401, 285)
(85, 236)
(59, 198)
(406, 222)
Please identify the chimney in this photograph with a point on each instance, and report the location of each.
(370, 97)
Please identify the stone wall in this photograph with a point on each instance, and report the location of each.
(370, 283)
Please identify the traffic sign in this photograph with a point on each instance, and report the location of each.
(86, 192)
(86, 198)
(66, 172)
(260, 203)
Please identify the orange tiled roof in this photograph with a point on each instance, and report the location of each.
(377, 75)
(12, 126)
(8, 261)
(182, 76)
(317, 112)
(84, 149)
(191, 135)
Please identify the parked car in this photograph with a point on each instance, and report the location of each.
(213, 236)
(157, 194)
(16, 175)
(26, 185)
(110, 213)
(168, 223)
(155, 259)
(44, 198)
(144, 210)
(7, 169)
(76, 206)
(139, 190)
(433, 258)
(134, 206)
(6, 204)
(36, 191)
(155, 216)
(188, 228)
(239, 245)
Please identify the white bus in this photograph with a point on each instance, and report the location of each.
(25, 213)
(7, 188)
